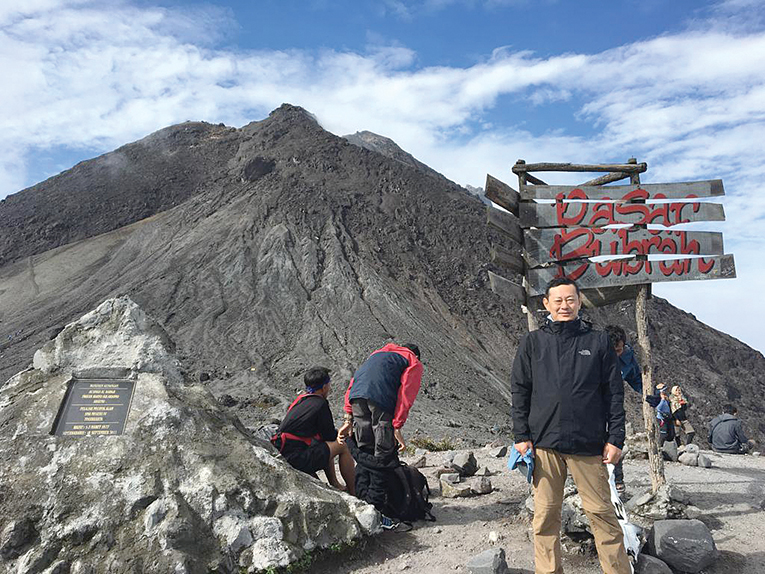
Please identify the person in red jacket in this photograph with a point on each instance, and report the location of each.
(379, 397)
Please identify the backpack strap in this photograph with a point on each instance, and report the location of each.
(281, 437)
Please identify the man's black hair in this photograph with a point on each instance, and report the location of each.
(616, 334)
(729, 409)
(557, 282)
(412, 347)
(315, 378)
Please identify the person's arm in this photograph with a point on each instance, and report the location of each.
(740, 436)
(347, 404)
(325, 424)
(634, 376)
(613, 394)
(411, 380)
(521, 382)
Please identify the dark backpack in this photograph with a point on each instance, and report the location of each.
(407, 495)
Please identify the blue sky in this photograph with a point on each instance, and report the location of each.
(467, 86)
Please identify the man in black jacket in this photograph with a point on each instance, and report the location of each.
(568, 407)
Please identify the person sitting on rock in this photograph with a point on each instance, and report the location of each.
(678, 403)
(307, 436)
(631, 374)
(726, 433)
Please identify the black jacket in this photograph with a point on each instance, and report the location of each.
(567, 389)
(726, 434)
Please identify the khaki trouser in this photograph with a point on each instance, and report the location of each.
(591, 478)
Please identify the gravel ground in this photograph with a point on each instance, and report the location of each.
(729, 495)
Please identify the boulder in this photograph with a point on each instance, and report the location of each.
(455, 489)
(669, 451)
(692, 448)
(651, 565)
(181, 486)
(668, 502)
(685, 545)
(490, 561)
(465, 463)
(481, 485)
(704, 461)
(689, 458)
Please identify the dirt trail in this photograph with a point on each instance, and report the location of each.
(729, 494)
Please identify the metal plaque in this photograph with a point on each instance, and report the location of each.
(94, 407)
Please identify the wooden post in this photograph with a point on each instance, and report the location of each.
(530, 308)
(655, 458)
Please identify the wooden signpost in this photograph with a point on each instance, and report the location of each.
(599, 236)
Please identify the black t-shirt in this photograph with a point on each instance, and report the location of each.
(309, 418)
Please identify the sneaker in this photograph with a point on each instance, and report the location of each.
(388, 523)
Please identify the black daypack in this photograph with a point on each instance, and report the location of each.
(407, 495)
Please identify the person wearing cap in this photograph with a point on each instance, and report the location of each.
(568, 409)
(307, 436)
(379, 397)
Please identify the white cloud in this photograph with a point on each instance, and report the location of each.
(692, 104)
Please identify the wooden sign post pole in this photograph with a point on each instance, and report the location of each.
(655, 458)
(531, 317)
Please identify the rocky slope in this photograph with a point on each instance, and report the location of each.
(266, 249)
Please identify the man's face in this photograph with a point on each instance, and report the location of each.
(563, 303)
(619, 348)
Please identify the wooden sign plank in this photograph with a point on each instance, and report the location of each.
(631, 271)
(623, 167)
(506, 288)
(543, 246)
(640, 192)
(509, 259)
(505, 222)
(592, 298)
(581, 214)
(502, 194)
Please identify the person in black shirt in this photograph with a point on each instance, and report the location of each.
(307, 436)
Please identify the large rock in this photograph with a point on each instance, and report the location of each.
(490, 561)
(669, 450)
(465, 463)
(685, 545)
(669, 501)
(185, 488)
(689, 458)
(651, 565)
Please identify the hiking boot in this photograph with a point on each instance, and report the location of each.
(388, 523)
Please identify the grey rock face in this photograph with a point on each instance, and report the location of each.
(490, 561)
(185, 488)
(685, 545)
(651, 565)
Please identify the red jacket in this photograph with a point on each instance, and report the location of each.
(390, 378)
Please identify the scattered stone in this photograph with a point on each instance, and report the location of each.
(704, 461)
(403, 566)
(756, 453)
(465, 463)
(228, 401)
(651, 565)
(481, 485)
(669, 451)
(689, 458)
(692, 448)
(490, 561)
(204, 377)
(499, 452)
(636, 446)
(443, 470)
(451, 477)
(453, 424)
(494, 536)
(484, 471)
(668, 502)
(421, 462)
(451, 490)
(685, 545)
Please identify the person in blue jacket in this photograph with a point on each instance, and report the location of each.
(631, 374)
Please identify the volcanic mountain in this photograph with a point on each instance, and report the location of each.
(270, 248)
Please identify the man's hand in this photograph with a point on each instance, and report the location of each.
(400, 439)
(611, 454)
(522, 447)
(344, 432)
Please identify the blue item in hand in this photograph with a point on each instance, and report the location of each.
(524, 463)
